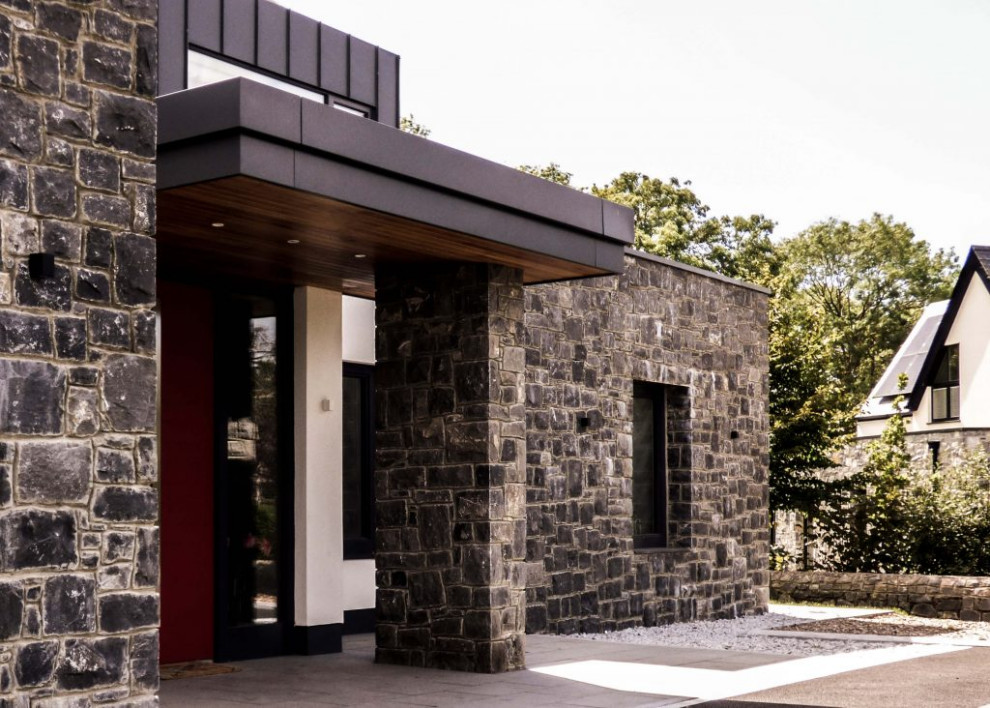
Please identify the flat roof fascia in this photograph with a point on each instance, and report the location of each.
(233, 154)
(241, 105)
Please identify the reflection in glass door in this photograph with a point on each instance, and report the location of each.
(251, 480)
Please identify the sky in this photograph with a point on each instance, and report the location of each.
(797, 109)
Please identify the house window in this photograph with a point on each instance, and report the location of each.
(650, 478)
(358, 456)
(945, 386)
(204, 69)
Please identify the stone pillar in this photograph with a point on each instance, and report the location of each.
(78, 463)
(450, 478)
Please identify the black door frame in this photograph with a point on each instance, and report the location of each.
(255, 641)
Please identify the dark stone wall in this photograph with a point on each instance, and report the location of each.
(78, 468)
(450, 477)
(947, 596)
(586, 343)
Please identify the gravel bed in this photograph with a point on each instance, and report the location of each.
(737, 635)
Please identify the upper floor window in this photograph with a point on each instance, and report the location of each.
(204, 69)
(945, 385)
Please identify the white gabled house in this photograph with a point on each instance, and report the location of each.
(946, 359)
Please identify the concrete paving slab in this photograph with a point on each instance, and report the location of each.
(562, 672)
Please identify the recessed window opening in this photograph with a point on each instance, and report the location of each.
(650, 488)
(934, 447)
(204, 69)
(945, 385)
(358, 454)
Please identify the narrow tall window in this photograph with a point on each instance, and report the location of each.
(358, 453)
(650, 481)
(945, 386)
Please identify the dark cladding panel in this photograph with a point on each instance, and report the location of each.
(363, 88)
(388, 88)
(171, 46)
(239, 29)
(304, 48)
(333, 60)
(204, 24)
(273, 24)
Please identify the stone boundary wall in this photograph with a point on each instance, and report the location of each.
(947, 596)
(79, 604)
(587, 342)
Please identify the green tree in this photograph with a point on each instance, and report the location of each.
(671, 221)
(865, 284)
(865, 526)
(552, 173)
(408, 124)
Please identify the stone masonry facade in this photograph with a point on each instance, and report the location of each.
(451, 477)
(587, 342)
(78, 463)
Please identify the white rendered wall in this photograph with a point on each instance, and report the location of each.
(971, 331)
(359, 348)
(359, 330)
(319, 540)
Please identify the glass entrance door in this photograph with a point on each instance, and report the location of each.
(253, 477)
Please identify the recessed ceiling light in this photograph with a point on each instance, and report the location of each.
(293, 241)
(218, 224)
(360, 255)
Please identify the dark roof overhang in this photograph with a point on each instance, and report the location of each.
(977, 265)
(273, 167)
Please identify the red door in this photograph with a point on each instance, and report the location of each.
(187, 460)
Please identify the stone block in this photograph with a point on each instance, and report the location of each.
(13, 184)
(123, 612)
(59, 19)
(144, 660)
(66, 121)
(99, 247)
(20, 131)
(38, 64)
(54, 472)
(35, 663)
(426, 589)
(118, 545)
(92, 285)
(24, 334)
(114, 466)
(54, 191)
(147, 470)
(125, 504)
(53, 293)
(147, 61)
(106, 209)
(11, 610)
(125, 123)
(106, 64)
(130, 392)
(61, 239)
(92, 663)
(145, 331)
(31, 397)
(70, 338)
(109, 328)
(134, 271)
(69, 603)
(19, 232)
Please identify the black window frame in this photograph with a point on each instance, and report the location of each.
(363, 546)
(658, 537)
(943, 381)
